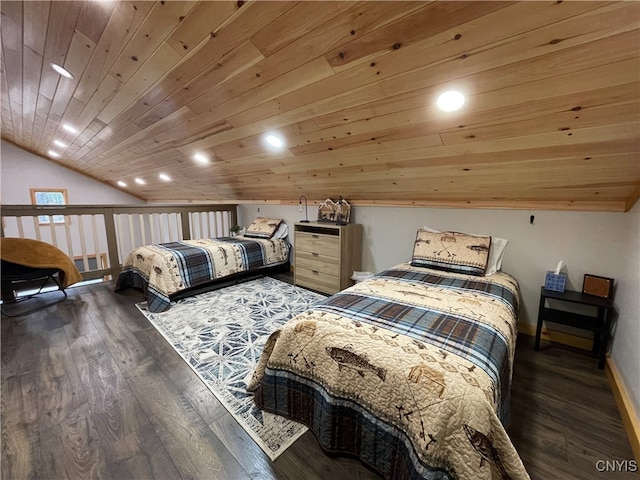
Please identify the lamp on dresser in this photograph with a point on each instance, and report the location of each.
(306, 216)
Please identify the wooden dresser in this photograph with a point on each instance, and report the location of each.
(326, 255)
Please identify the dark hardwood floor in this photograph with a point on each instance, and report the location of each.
(91, 390)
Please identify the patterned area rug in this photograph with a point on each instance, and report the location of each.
(221, 334)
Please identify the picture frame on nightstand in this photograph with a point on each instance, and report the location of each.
(597, 286)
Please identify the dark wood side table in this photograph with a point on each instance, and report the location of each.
(600, 325)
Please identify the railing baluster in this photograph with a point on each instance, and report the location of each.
(36, 227)
(83, 244)
(20, 227)
(153, 227)
(143, 237)
(170, 221)
(205, 224)
(112, 242)
(67, 231)
(52, 227)
(120, 237)
(132, 236)
(96, 241)
(161, 226)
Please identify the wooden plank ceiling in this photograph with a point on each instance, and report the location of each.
(550, 121)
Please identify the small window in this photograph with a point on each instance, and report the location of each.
(49, 196)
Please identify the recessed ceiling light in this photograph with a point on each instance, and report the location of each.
(199, 157)
(121, 183)
(60, 144)
(274, 140)
(165, 177)
(53, 154)
(61, 71)
(69, 128)
(450, 101)
(140, 181)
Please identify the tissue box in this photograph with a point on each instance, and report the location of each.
(555, 283)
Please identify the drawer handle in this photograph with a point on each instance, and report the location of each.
(314, 236)
(315, 254)
(315, 272)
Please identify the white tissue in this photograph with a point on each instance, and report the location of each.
(559, 267)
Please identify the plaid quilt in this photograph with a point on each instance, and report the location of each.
(409, 370)
(252, 252)
(456, 332)
(195, 264)
(162, 270)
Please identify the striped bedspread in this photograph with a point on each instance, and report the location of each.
(164, 269)
(409, 370)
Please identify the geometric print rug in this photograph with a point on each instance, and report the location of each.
(221, 334)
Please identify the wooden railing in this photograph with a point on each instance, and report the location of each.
(99, 237)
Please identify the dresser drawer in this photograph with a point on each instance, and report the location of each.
(318, 243)
(315, 261)
(323, 282)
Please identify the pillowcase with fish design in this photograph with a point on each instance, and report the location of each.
(452, 252)
(496, 252)
(263, 227)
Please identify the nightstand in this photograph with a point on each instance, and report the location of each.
(600, 325)
(326, 255)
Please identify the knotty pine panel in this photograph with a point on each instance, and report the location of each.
(295, 23)
(123, 24)
(203, 20)
(162, 19)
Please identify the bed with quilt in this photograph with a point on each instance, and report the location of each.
(164, 271)
(409, 370)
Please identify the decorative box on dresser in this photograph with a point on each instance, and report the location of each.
(326, 255)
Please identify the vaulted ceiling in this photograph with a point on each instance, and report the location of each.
(550, 120)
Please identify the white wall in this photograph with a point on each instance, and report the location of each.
(21, 170)
(626, 351)
(599, 243)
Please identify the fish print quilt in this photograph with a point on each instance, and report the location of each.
(164, 269)
(409, 370)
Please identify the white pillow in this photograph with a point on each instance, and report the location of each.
(282, 231)
(496, 251)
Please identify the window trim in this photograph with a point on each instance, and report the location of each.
(63, 191)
